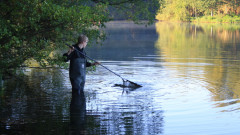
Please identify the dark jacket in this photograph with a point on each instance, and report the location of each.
(76, 54)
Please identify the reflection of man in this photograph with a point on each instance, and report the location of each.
(77, 113)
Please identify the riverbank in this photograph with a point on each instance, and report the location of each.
(207, 19)
(216, 19)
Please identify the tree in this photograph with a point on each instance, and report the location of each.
(233, 5)
(213, 5)
(181, 9)
(34, 29)
(197, 7)
(174, 9)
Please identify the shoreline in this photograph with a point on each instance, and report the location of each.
(209, 19)
(174, 21)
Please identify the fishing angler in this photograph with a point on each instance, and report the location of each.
(78, 64)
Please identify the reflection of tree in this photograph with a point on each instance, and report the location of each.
(212, 48)
(35, 102)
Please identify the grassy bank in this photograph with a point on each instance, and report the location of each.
(202, 19)
(216, 19)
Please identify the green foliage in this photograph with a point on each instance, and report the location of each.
(191, 10)
(218, 19)
(173, 10)
(36, 29)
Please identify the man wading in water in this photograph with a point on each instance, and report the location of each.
(78, 64)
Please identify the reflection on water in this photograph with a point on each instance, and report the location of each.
(211, 51)
(30, 104)
(78, 113)
(190, 77)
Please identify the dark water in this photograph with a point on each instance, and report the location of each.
(190, 76)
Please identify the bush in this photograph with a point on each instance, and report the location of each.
(217, 19)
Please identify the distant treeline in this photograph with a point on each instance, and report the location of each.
(200, 10)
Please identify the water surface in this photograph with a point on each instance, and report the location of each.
(190, 75)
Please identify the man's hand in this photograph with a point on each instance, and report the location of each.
(96, 63)
(70, 50)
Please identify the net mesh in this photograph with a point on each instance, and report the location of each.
(129, 84)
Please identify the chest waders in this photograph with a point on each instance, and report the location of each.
(77, 74)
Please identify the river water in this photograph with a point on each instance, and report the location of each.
(190, 75)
